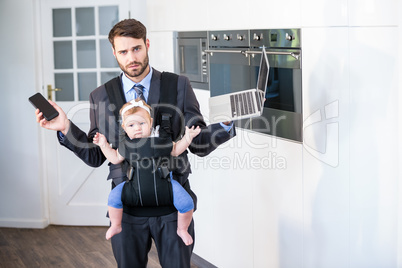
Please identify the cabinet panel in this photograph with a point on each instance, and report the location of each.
(326, 147)
(278, 14)
(161, 50)
(278, 205)
(373, 13)
(223, 184)
(178, 15)
(318, 13)
(373, 149)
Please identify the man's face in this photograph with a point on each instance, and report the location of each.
(132, 56)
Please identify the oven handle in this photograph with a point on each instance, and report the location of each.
(212, 51)
(295, 55)
(182, 59)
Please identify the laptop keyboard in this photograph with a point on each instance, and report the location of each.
(259, 96)
(242, 104)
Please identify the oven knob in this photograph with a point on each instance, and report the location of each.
(214, 37)
(226, 37)
(240, 37)
(289, 37)
(256, 37)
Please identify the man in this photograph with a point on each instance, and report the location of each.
(141, 224)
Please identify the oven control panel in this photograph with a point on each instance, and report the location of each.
(229, 38)
(276, 38)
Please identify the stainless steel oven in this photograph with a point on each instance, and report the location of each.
(234, 58)
(191, 59)
(229, 66)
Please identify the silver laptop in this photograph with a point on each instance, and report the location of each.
(243, 104)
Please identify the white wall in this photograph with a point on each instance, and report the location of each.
(22, 199)
(335, 204)
(399, 132)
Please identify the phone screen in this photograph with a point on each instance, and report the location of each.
(49, 112)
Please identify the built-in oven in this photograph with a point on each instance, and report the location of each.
(191, 59)
(234, 57)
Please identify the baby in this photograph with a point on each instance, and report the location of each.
(137, 123)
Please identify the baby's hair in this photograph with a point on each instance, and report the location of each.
(134, 109)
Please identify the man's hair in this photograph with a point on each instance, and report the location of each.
(128, 28)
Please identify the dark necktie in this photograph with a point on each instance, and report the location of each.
(139, 89)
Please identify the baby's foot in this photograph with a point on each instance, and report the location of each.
(113, 230)
(185, 236)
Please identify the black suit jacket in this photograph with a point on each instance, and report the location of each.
(103, 120)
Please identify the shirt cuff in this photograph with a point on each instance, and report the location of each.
(227, 128)
(60, 136)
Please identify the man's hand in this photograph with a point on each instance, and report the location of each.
(59, 123)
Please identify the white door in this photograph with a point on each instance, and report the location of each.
(77, 58)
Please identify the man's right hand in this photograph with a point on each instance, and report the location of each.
(59, 123)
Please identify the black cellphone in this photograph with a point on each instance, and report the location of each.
(49, 112)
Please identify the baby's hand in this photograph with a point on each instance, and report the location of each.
(192, 132)
(100, 139)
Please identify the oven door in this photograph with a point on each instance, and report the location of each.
(192, 60)
(229, 72)
(282, 115)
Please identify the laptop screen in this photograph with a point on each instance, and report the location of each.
(263, 72)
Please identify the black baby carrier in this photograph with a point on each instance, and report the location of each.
(148, 159)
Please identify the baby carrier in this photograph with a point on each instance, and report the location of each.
(149, 159)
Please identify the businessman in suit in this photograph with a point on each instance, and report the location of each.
(141, 225)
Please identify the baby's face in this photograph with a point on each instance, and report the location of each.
(138, 125)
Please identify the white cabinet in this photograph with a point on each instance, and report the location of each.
(256, 14)
(350, 209)
(319, 13)
(227, 14)
(250, 202)
(278, 206)
(373, 143)
(177, 15)
(181, 15)
(224, 220)
(373, 13)
(161, 50)
(326, 147)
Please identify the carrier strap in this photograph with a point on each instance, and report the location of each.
(116, 95)
(167, 103)
(168, 93)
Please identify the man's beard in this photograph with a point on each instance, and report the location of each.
(135, 73)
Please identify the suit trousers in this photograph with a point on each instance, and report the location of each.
(131, 246)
